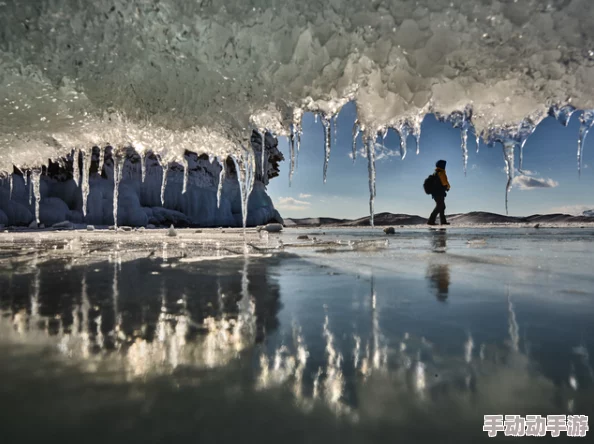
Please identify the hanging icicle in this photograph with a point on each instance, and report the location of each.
(404, 130)
(356, 130)
(142, 166)
(508, 156)
(35, 180)
(75, 167)
(186, 174)
(335, 122)
(263, 158)
(101, 160)
(586, 124)
(245, 168)
(10, 179)
(370, 143)
(30, 186)
(86, 165)
(292, 154)
(118, 162)
(165, 166)
(327, 141)
(222, 177)
(563, 114)
(297, 131)
(525, 130)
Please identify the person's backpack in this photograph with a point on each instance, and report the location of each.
(431, 184)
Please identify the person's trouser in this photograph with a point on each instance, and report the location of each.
(439, 209)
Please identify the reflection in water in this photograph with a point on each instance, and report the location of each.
(145, 319)
(439, 278)
(439, 241)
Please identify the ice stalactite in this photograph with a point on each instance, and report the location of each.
(10, 186)
(525, 130)
(29, 186)
(463, 122)
(142, 166)
(327, 143)
(75, 167)
(335, 123)
(35, 181)
(586, 124)
(404, 130)
(165, 166)
(118, 163)
(509, 147)
(222, 177)
(370, 142)
(186, 174)
(292, 154)
(356, 130)
(86, 165)
(264, 159)
(562, 114)
(101, 160)
(245, 170)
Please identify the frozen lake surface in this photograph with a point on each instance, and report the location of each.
(346, 336)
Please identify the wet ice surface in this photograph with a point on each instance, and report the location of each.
(347, 336)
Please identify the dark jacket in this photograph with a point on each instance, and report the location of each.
(445, 185)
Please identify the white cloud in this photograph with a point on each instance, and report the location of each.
(304, 196)
(381, 153)
(292, 204)
(575, 210)
(525, 180)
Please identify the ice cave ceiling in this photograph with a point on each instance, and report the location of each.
(172, 75)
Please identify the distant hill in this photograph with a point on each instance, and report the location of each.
(475, 217)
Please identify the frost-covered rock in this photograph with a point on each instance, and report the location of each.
(16, 212)
(588, 213)
(53, 210)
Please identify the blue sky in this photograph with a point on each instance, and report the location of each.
(549, 157)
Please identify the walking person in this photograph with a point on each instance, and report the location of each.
(439, 190)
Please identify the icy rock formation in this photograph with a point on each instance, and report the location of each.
(179, 75)
(139, 203)
(588, 213)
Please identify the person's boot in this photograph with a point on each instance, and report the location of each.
(430, 222)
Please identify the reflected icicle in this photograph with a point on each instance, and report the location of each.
(356, 130)
(117, 176)
(86, 165)
(508, 156)
(35, 179)
(244, 167)
(327, 142)
(371, 171)
(222, 176)
(143, 166)
(514, 329)
(586, 124)
(165, 167)
(186, 173)
(75, 167)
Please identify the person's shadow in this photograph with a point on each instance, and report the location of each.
(438, 274)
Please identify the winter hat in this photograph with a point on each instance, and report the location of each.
(441, 164)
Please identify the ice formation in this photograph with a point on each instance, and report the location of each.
(174, 75)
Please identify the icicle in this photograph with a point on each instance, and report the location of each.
(371, 170)
(563, 114)
(508, 156)
(525, 129)
(296, 133)
(465, 146)
(335, 122)
(86, 165)
(143, 166)
(263, 158)
(75, 167)
(10, 186)
(292, 151)
(222, 176)
(30, 186)
(478, 140)
(186, 174)
(117, 176)
(327, 142)
(384, 135)
(244, 167)
(356, 130)
(35, 179)
(101, 160)
(404, 131)
(165, 167)
(586, 124)
(315, 117)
